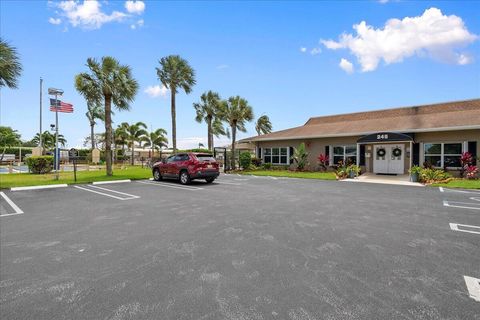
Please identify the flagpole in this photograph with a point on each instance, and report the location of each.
(40, 135)
(57, 156)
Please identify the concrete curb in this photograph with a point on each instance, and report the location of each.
(112, 181)
(48, 186)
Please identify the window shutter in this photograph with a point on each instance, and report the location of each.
(259, 153)
(416, 154)
(472, 148)
(291, 151)
(362, 155)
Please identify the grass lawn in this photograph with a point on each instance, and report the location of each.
(460, 183)
(28, 179)
(291, 174)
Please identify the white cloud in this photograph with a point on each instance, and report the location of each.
(223, 66)
(383, 1)
(156, 91)
(432, 34)
(315, 51)
(346, 65)
(303, 49)
(135, 6)
(55, 21)
(87, 14)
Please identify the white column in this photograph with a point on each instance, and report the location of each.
(411, 154)
(358, 154)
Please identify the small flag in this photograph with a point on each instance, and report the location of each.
(60, 106)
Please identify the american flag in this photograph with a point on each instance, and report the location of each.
(60, 106)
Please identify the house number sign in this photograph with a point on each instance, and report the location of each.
(383, 136)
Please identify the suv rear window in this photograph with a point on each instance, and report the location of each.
(205, 157)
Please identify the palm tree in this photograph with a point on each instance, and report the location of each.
(10, 66)
(48, 140)
(120, 138)
(175, 73)
(8, 138)
(156, 140)
(115, 84)
(134, 133)
(209, 110)
(263, 125)
(94, 107)
(236, 112)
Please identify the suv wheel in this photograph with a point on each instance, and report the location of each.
(157, 176)
(210, 180)
(184, 177)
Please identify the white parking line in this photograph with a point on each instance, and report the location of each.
(169, 185)
(455, 227)
(462, 205)
(230, 183)
(12, 204)
(111, 181)
(473, 287)
(458, 191)
(130, 196)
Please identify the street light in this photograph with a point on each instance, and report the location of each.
(56, 92)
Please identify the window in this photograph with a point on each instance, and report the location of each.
(442, 155)
(346, 154)
(275, 156)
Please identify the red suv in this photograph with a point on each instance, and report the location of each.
(186, 167)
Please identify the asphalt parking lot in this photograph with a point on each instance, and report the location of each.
(241, 248)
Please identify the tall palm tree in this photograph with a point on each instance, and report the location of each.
(48, 139)
(263, 125)
(156, 140)
(217, 127)
(134, 133)
(175, 73)
(95, 109)
(10, 66)
(120, 138)
(209, 110)
(236, 113)
(115, 84)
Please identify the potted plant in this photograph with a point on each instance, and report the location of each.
(353, 171)
(415, 173)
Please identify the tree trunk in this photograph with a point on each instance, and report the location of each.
(108, 134)
(92, 135)
(209, 133)
(133, 152)
(174, 123)
(234, 134)
(3, 153)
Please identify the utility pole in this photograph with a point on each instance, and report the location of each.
(56, 93)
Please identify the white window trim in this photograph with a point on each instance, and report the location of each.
(442, 153)
(279, 156)
(332, 152)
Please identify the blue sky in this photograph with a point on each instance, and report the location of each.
(270, 53)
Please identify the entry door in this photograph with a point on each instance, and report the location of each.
(388, 159)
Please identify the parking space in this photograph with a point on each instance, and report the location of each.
(243, 247)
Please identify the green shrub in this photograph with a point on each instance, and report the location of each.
(300, 157)
(252, 167)
(40, 164)
(245, 159)
(256, 161)
(267, 166)
(430, 175)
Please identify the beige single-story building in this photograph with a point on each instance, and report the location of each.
(386, 141)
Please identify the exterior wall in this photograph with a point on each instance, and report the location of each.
(314, 146)
(317, 146)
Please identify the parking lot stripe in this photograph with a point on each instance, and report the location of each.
(115, 191)
(458, 191)
(454, 227)
(473, 287)
(461, 205)
(163, 184)
(106, 194)
(230, 183)
(12, 204)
